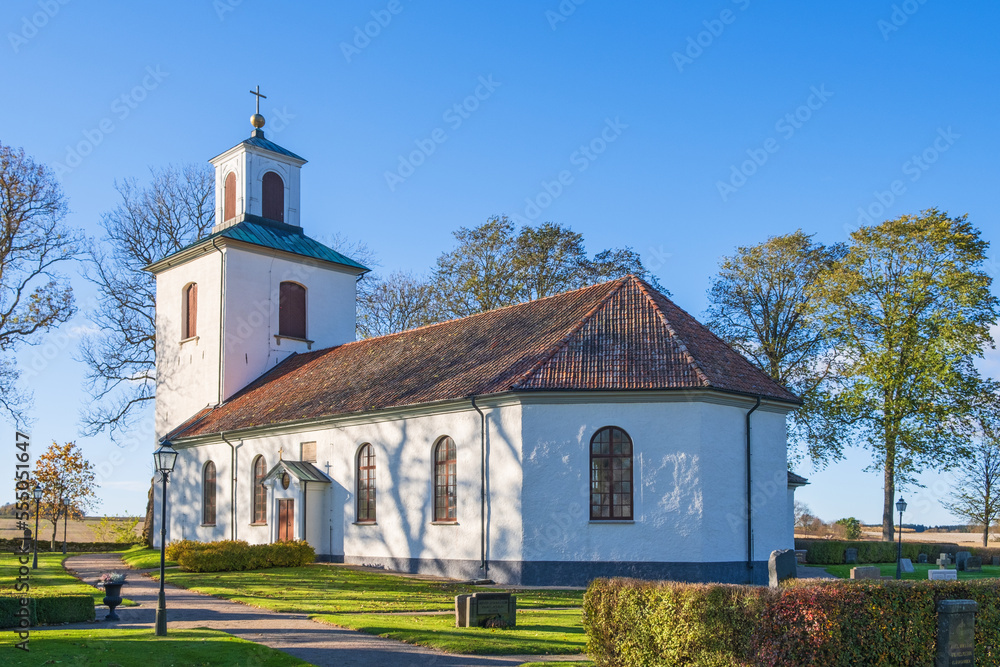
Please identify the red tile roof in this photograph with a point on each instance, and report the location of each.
(616, 336)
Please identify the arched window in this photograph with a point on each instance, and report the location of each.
(610, 474)
(208, 494)
(229, 197)
(259, 500)
(273, 197)
(189, 312)
(292, 310)
(366, 484)
(445, 481)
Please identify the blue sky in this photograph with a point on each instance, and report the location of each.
(679, 129)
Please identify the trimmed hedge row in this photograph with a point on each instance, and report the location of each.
(831, 552)
(230, 555)
(46, 610)
(633, 623)
(8, 545)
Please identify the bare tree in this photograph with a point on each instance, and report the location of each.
(398, 302)
(977, 496)
(33, 297)
(149, 223)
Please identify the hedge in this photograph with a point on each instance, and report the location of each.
(14, 544)
(237, 555)
(831, 552)
(46, 610)
(633, 623)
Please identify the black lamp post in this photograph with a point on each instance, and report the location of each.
(900, 507)
(37, 493)
(164, 457)
(62, 501)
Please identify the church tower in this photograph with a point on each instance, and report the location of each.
(234, 304)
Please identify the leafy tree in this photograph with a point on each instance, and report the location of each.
(976, 497)
(117, 529)
(34, 298)
(550, 259)
(909, 309)
(852, 528)
(759, 303)
(149, 223)
(67, 481)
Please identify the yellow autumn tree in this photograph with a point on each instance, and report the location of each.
(67, 481)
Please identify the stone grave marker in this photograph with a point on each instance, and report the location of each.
(944, 561)
(973, 564)
(922, 558)
(780, 566)
(996, 560)
(478, 609)
(942, 575)
(800, 556)
(956, 636)
(866, 573)
(851, 556)
(960, 559)
(906, 564)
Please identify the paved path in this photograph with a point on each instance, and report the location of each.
(813, 573)
(318, 643)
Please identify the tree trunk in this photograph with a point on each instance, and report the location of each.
(55, 527)
(147, 525)
(986, 534)
(888, 533)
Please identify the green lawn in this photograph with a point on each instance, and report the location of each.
(573, 663)
(889, 569)
(537, 632)
(328, 589)
(127, 648)
(143, 558)
(51, 578)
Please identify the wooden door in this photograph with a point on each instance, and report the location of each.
(286, 517)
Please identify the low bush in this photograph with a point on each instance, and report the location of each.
(237, 555)
(635, 623)
(831, 552)
(9, 544)
(46, 610)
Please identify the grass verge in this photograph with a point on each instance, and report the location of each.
(920, 573)
(537, 632)
(127, 648)
(144, 558)
(328, 589)
(560, 663)
(51, 578)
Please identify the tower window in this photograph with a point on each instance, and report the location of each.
(189, 312)
(273, 197)
(292, 310)
(229, 197)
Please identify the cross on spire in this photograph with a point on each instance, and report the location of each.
(259, 95)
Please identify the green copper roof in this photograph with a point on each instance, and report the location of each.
(257, 139)
(301, 470)
(269, 234)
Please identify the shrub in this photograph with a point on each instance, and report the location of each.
(831, 552)
(46, 610)
(237, 555)
(14, 544)
(635, 623)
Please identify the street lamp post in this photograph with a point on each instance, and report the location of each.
(62, 501)
(901, 507)
(164, 457)
(37, 493)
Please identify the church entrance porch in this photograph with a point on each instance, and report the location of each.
(286, 520)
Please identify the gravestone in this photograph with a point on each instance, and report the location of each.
(996, 561)
(780, 566)
(851, 556)
(942, 575)
(960, 559)
(944, 561)
(956, 636)
(866, 573)
(479, 609)
(922, 558)
(800, 556)
(973, 564)
(906, 565)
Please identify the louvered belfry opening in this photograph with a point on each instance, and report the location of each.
(190, 320)
(229, 197)
(292, 310)
(273, 197)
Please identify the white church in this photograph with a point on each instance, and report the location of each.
(599, 432)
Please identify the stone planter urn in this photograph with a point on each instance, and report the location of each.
(112, 598)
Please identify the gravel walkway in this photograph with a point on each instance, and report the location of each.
(317, 643)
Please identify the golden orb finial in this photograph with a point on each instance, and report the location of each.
(257, 121)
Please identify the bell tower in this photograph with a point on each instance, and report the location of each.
(257, 178)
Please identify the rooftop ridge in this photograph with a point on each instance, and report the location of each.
(644, 289)
(573, 331)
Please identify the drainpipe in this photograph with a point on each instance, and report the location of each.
(750, 496)
(222, 300)
(232, 487)
(484, 564)
(305, 509)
